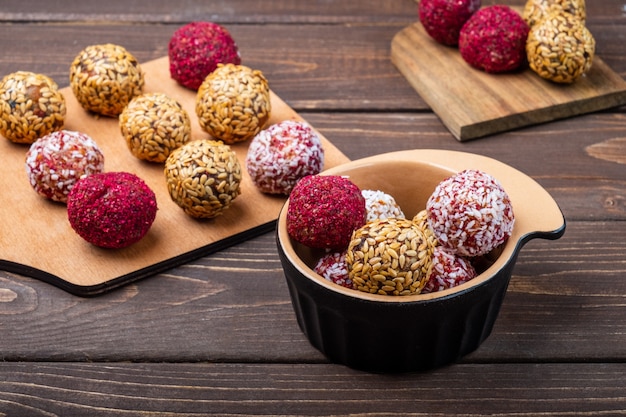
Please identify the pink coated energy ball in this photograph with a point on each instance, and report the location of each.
(443, 19)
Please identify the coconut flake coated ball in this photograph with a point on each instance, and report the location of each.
(332, 266)
(324, 210)
(282, 154)
(380, 205)
(195, 50)
(443, 19)
(56, 161)
(448, 270)
(470, 213)
(111, 209)
(494, 39)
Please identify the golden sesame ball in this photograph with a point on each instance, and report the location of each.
(536, 10)
(560, 48)
(104, 78)
(153, 125)
(31, 106)
(233, 103)
(203, 177)
(390, 256)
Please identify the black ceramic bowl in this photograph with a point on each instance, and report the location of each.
(380, 333)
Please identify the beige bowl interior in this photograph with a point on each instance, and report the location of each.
(410, 177)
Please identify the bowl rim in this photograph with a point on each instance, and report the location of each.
(537, 215)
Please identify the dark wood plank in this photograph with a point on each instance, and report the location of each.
(99, 390)
(565, 302)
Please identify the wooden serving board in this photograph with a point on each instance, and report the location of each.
(472, 103)
(36, 239)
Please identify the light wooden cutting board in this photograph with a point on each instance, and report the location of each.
(35, 236)
(473, 104)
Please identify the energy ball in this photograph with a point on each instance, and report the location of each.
(470, 213)
(31, 106)
(494, 39)
(324, 210)
(233, 103)
(104, 78)
(279, 156)
(380, 205)
(443, 19)
(536, 10)
(195, 50)
(403, 255)
(560, 48)
(332, 266)
(153, 125)
(448, 271)
(203, 177)
(55, 162)
(111, 209)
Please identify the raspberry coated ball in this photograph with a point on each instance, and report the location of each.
(195, 50)
(55, 162)
(282, 154)
(443, 19)
(494, 39)
(111, 209)
(324, 210)
(470, 213)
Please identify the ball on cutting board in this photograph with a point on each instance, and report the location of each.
(195, 50)
(494, 39)
(104, 78)
(31, 106)
(111, 209)
(443, 19)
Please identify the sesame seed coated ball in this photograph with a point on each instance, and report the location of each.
(195, 50)
(443, 19)
(390, 257)
(560, 48)
(153, 125)
(324, 210)
(233, 103)
(55, 162)
(536, 10)
(470, 213)
(111, 209)
(104, 78)
(279, 156)
(203, 177)
(494, 39)
(31, 106)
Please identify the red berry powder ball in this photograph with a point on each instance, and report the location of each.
(111, 209)
(470, 213)
(332, 266)
(56, 161)
(282, 154)
(448, 270)
(443, 19)
(494, 39)
(195, 50)
(324, 210)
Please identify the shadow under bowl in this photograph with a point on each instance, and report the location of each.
(382, 333)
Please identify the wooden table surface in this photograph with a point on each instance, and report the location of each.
(219, 336)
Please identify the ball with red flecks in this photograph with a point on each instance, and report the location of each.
(443, 19)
